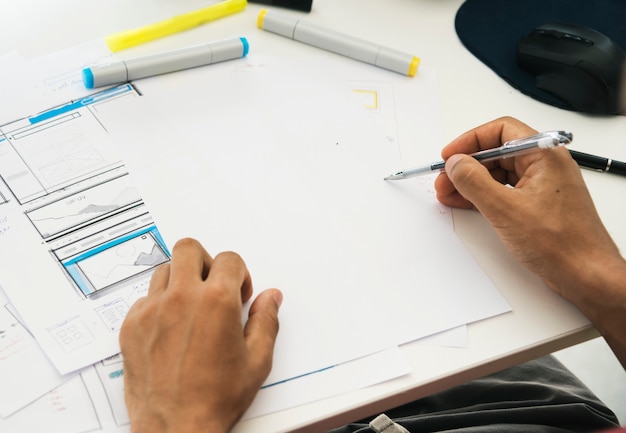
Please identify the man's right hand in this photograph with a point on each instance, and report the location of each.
(540, 207)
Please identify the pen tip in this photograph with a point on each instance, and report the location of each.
(395, 176)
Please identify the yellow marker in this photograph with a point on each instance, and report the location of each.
(340, 43)
(130, 38)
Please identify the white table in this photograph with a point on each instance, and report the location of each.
(470, 94)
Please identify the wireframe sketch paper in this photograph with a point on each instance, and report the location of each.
(311, 203)
(68, 207)
(25, 372)
(73, 190)
(89, 401)
(81, 245)
(46, 81)
(93, 400)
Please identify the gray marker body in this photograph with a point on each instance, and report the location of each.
(339, 43)
(141, 67)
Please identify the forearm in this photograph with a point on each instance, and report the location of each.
(601, 295)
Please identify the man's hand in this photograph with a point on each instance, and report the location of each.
(547, 219)
(189, 363)
(541, 209)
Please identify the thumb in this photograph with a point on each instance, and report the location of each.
(475, 183)
(261, 329)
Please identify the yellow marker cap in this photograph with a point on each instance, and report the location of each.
(261, 18)
(413, 66)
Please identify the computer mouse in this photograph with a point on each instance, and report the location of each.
(577, 64)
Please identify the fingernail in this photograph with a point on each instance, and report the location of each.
(278, 297)
(451, 162)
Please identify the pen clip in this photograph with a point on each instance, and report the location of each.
(543, 139)
(520, 146)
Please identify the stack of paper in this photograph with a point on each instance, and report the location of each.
(281, 160)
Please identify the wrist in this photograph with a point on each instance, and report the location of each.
(603, 301)
(178, 424)
(599, 288)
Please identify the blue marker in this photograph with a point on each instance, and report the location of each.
(141, 67)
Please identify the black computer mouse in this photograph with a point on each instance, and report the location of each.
(578, 65)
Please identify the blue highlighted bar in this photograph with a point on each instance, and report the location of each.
(75, 105)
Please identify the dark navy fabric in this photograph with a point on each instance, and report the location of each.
(491, 29)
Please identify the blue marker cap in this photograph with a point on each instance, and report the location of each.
(88, 78)
(246, 46)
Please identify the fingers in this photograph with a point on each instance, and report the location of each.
(262, 328)
(186, 350)
(472, 184)
(227, 282)
(193, 274)
(448, 195)
(159, 280)
(457, 193)
(228, 271)
(189, 265)
(487, 136)
(192, 266)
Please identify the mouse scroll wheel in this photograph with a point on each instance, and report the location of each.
(555, 34)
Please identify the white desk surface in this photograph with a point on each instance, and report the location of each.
(470, 94)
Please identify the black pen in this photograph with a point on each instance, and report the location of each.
(599, 163)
